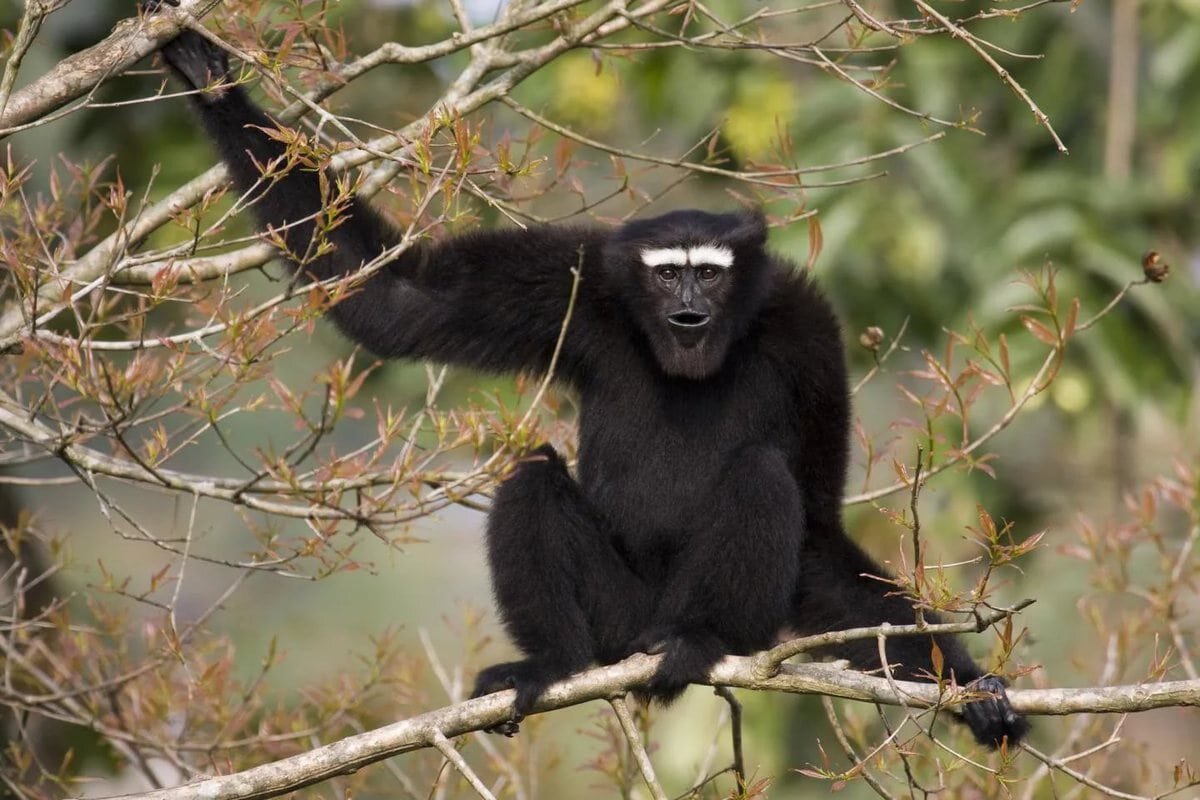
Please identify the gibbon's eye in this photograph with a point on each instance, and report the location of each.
(708, 273)
(667, 273)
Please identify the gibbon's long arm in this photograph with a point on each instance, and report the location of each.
(494, 300)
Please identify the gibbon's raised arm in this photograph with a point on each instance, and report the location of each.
(494, 300)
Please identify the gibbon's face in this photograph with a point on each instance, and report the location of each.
(690, 283)
(693, 284)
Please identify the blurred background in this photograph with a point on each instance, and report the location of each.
(935, 243)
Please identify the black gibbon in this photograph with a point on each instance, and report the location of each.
(713, 433)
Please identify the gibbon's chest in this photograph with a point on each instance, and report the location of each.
(653, 451)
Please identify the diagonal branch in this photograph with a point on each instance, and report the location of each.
(355, 752)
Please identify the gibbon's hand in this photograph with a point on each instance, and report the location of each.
(993, 719)
(198, 62)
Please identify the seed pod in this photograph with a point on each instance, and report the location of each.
(1154, 268)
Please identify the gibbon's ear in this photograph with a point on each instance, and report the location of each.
(750, 231)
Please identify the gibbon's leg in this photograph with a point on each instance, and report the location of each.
(732, 587)
(835, 594)
(561, 587)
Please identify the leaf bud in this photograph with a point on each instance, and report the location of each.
(871, 338)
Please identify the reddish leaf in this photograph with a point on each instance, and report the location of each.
(816, 240)
(1040, 331)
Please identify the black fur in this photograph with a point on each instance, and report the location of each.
(706, 517)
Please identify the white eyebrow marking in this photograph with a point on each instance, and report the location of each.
(660, 256)
(717, 255)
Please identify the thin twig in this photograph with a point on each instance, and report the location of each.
(970, 40)
(857, 765)
(879, 360)
(1083, 326)
(871, 22)
(1076, 775)
(629, 728)
(837, 69)
(919, 560)
(439, 740)
(704, 773)
(453, 689)
(771, 659)
(735, 733)
(771, 177)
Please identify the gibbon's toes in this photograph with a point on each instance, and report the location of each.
(652, 641)
(509, 728)
(544, 456)
(992, 719)
(539, 469)
(545, 451)
(686, 660)
(499, 678)
(528, 678)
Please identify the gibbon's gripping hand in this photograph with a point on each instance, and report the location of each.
(992, 719)
(200, 63)
(686, 660)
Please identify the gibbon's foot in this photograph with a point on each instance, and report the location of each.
(992, 719)
(529, 677)
(195, 59)
(686, 660)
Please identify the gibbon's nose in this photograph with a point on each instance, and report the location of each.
(688, 319)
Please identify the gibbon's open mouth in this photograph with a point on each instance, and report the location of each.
(688, 319)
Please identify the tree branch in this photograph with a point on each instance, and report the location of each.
(355, 752)
(131, 40)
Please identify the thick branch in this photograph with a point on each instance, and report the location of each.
(354, 752)
(131, 40)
